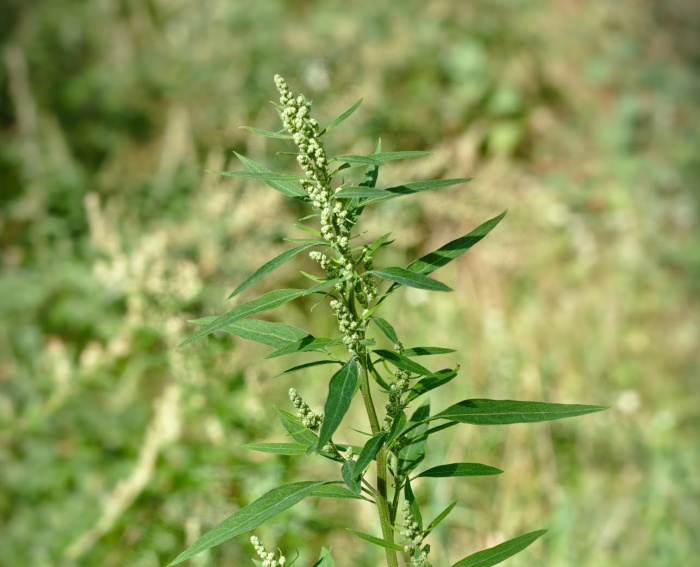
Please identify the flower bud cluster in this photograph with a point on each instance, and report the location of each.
(267, 557)
(332, 270)
(368, 285)
(309, 419)
(349, 454)
(411, 531)
(398, 388)
(348, 325)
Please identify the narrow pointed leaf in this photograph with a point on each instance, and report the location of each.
(431, 382)
(304, 345)
(296, 428)
(372, 248)
(305, 366)
(445, 254)
(345, 115)
(402, 362)
(251, 516)
(377, 377)
(378, 158)
(341, 390)
(374, 195)
(351, 479)
(261, 175)
(427, 351)
(276, 335)
(503, 412)
(278, 135)
(369, 451)
(355, 207)
(411, 499)
(270, 266)
(413, 454)
(335, 491)
(378, 541)
(325, 559)
(501, 552)
(439, 518)
(412, 279)
(459, 469)
(386, 328)
(277, 448)
(285, 187)
(397, 427)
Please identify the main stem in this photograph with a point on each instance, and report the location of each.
(381, 497)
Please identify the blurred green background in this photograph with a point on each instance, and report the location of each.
(581, 118)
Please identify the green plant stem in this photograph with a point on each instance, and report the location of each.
(381, 490)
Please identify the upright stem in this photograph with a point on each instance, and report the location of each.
(381, 497)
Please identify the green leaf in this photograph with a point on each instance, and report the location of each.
(412, 279)
(341, 118)
(374, 195)
(276, 335)
(377, 541)
(251, 516)
(445, 254)
(264, 303)
(386, 328)
(503, 412)
(351, 479)
(271, 266)
(335, 491)
(402, 362)
(262, 175)
(305, 366)
(397, 427)
(458, 469)
(309, 230)
(431, 382)
(413, 453)
(279, 135)
(377, 377)
(501, 552)
(341, 390)
(305, 345)
(296, 428)
(427, 351)
(439, 518)
(369, 451)
(277, 448)
(285, 187)
(378, 158)
(325, 559)
(411, 499)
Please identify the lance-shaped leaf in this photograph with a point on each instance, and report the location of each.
(378, 158)
(341, 390)
(325, 559)
(503, 412)
(355, 207)
(402, 362)
(412, 279)
(251, 516)
(413, 453)
(344, 116)
(351, 479)
(270, 266)
(397, 427)
(372, 248)
(386, 328)
(285, 187)
(261, 175)
(411, 499)
(307, 344)
(439, 518)
(374, 195)
(276, 335)
(277, 448)
(431, 382)
(305, 366)
(445, 254)
(279, 135)
(369, 451)
(296, 428)
(501, 552)
(378, 541)
(264, 303)
(335, 491)
(427, 351)
(459, 469)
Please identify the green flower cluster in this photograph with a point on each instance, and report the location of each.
(309, 419)
(267, 557)
(411, 531)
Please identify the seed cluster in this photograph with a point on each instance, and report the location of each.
(411, 531)
(268, 558)
(309, 419)
(398, 388)
(347, 324)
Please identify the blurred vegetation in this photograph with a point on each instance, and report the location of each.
(581, 118)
